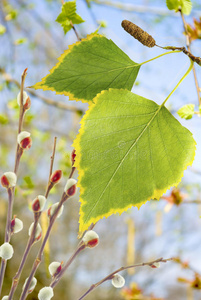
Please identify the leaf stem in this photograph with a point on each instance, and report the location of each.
(180, 81)
(169, 52)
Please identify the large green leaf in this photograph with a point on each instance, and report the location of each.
(128, 151)
(88, 67)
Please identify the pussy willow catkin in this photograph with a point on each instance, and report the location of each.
(139, 34)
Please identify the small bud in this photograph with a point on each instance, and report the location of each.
(6, 251)
(45, 293)
(31, 286)
(118, 281)
(24, 140)
(90, 239)
(70, 187)
(55, 268)
(26, 100)
(38, 203)
(73, 155)
(56, 176)
(16, 225)
(8, 179)
(155, 265)
(139, 34)
(5, 298)
(52, 209)
(38, 233)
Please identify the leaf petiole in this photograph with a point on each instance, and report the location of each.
(169, 52)
(180, 81)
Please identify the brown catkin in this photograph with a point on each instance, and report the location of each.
(139, 34)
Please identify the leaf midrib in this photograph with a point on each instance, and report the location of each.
(131, 147)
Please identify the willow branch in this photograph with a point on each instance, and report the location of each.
(189, 49)
(38, 259)
(11, 191)
(110, 276)
(31, 239)
(46, 100)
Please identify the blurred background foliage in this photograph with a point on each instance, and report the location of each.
(30, 37)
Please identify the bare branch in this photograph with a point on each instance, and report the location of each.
(189, 49)
(110, 276)
(46, 100)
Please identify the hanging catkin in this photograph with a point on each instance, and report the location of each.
(139, 34)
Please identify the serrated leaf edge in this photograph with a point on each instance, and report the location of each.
(41, 84)
(76, 144)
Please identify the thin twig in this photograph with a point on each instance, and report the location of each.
(29, 245)
(51, 184)
(81, 246)
(19, 151)
(194, 58)
(37, 261)
(52, 156)
(110, 276)
(56, 280)
(72, 172)
(40, 252)
(11, 191)
(189, 49)
(31, 240)
(191, 202)
(7, 232)
(46, 100)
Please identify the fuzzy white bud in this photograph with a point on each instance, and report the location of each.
(156, 265)
(91, 238)
(118, 281)
(23, 135)
(45, 293)
(38, 233)
(54, 267)
(52, 209)
(25, 96)
(70, 182)
(9, 179)
(38, 203)
(6, 251)
(31, 286)
(16, 225)
(5, 298)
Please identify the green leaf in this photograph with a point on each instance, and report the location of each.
(20, 41)
(172, 4)
(199, 108)
(184, 5)
(128, 150)
(88, 67)
(3, 119)
(186, 111)
(2, 29)
(28, 182)
(68, 15)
